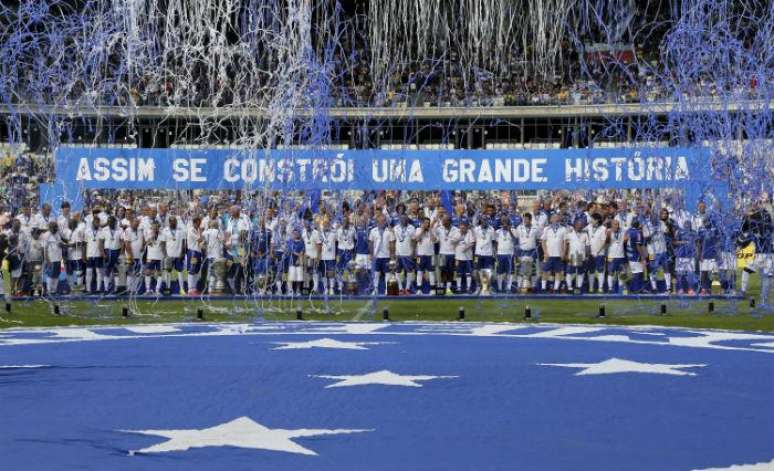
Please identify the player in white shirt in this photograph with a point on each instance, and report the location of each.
(527, 235)
(381, 242)
(214, 245)
(326, 248)
(578, 247)
(311, 256)
(112, 241)
(72, 235)
(597, 233)
(616, 258)
(63, 220)
(404, 251)
(655, 234)
(425, 240)
(52, 253)
(447, 237)
(174, 237)
(94, 254)
(33, 248)
(345, 242)
(154, 254)
(463, 255)
(194, 254)
(506, 240)
(134, 244)
(554, 252)
(484, 234)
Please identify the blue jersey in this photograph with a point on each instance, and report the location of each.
(516, 220)
(710, 243)
(685, 243)
(260, 242)
(295, 248)
(633, 245)
(361, 241)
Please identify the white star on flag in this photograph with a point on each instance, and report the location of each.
(325, 343)
(616, 365)
(383, 377)
(240, 433)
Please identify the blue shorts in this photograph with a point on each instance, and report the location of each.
(14, 262)
(532, 253)
(111, 261)
(72, 266)
(345, 256)
(504, 264)
(660, 260)
(425, 263)
(406, 264)
(178, 264)
(553, 265)
(464, 267)
(447, 263)
(94, 262)
(194, 262)
(153, 265)
(485, 262)
(260, 265)
(616, 265)
(135, 267)
(325, 266)
(279, 263)
(381, 265)
(598, 263)
(53, 269)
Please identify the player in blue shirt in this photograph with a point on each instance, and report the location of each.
(295, 252)
(709, 242)
(635, 254)
(685, 254)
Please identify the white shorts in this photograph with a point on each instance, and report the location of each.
(684, 265)
(727, 261)
(295, 274)
(362, 261)
(708, 264)
(762, 263)
(635, 267)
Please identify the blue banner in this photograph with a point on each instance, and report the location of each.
(214, 169)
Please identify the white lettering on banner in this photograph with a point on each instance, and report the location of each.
(638, 169)
(184, 170)
(287, 170)
(395, 170)
(505, 171)
(119, 169)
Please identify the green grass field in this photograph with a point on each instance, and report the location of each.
(728, 314)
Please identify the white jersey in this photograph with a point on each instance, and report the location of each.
(235, 227)
(26, 223)
(310, 243)
(527, 237)
(381, 240)
(404, 240)
(92, 237)
(616, 247)
(213, 240)
(464, 249)
(173, 239)
(554, 236)
(505, 241)
(112, 238)
(625, 220)
(135, 239)
(578, 242)
(327, 241)
(63, 222)
(425, 242)
(34, 250)
(540, 221)
(192, 239)
(655, 234)
(447, 239)
(75, 240)
(484, 238)
(41, 222)
(597, 240)
(346, 238)
(153, 245)
(52, 246)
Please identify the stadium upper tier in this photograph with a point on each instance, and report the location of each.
(399, 112)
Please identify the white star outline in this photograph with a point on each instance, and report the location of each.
(326, 343)
(382, 377)
(242, 432)
(617, 366)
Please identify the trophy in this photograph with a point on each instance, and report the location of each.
(484, 277)
(219, 269)
(351, 284)
(391, 279)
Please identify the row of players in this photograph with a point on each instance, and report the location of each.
(141, 253)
